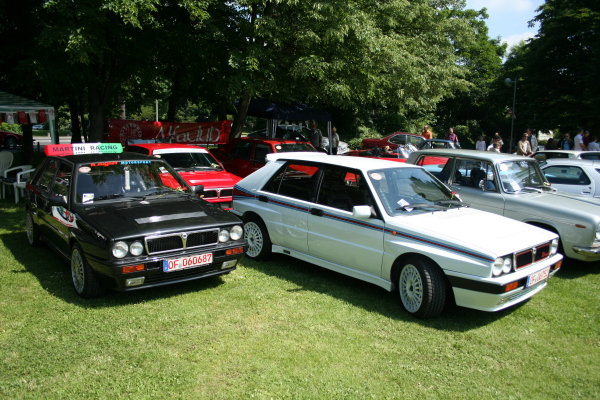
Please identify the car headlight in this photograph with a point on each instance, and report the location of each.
(136, 248)
(554, 246)
(498, 266)
(223, 235)
(507, 267)
(236, 232)
(120, 249)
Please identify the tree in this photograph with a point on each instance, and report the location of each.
(560, 67)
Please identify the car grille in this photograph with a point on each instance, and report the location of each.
(217, 193)
(181, 241)
(532, 255)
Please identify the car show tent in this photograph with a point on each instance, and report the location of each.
(19, 110)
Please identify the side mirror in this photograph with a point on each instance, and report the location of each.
(361, 212)
(198, 190)
(59, 200)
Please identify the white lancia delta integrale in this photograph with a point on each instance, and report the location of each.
(396, 226)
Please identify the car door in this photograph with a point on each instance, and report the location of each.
(570, 178)
(240, 159)
(475, 182)
(333, 234)
(288, 197)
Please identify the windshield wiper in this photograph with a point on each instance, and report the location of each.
(421, 205)
(455, 202)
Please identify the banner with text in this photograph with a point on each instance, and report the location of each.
(126, 131)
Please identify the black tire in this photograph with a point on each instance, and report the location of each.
(84, 279)
(33, 233)
(259, 242)
(422, 288)
(10, 142)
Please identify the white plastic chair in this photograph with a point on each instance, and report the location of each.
(6, 160)
(20, 178)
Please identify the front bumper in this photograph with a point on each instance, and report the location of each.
(153, 274)
(490, 295)
(592, 252)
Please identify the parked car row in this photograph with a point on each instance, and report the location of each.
(419, 227)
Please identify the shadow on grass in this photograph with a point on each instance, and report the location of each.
(367, 296)
(54, 275)
(574, 269)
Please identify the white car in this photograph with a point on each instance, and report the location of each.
(544, 155)
(573, 175)
(396, 226)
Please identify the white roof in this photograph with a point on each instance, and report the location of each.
(179, 150)
(364, 163)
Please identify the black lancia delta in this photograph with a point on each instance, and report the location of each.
(127, 221)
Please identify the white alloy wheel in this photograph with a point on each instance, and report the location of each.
(411, 288)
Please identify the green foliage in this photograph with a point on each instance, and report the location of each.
(16, 128)
(364, 133)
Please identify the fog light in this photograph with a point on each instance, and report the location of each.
(134, 281)
(132, 268)
(229, 264)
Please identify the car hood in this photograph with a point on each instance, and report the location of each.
(475, 230)
(556, 203)
(120, 220)
(211, 179)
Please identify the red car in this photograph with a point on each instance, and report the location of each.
(197, 166)
(376, 153)
(245, 155)
(10, 140)
(393, 140)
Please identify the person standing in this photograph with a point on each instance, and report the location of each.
(566, 143)
(316, 138)
(594, 146)
(480, 144)
(524, 147)
(335, 140)
(578, 143)
(496, 144)
(451, 136)
(427, 133)
(532, 139)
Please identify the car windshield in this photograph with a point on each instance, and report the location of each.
(518, 176)
(288, 147)
(406, 191)
(127, 180)
(191, 161)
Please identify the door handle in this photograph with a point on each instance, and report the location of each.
(317, 212)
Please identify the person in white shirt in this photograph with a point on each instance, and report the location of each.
(480, 144)
(594, 146)
(579, 145)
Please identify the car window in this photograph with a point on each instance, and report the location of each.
(398, 139)
(191, 160)
(47, 176)
(470, 173)
(260, 152)
(586, 156)
(294, 180)
(415, 140)
(242, 150)
(516, 176)
(566, 175)
(398, 188)
(343, 188)
(438, 166)
(60, 186)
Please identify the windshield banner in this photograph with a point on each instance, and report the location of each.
(128, 132)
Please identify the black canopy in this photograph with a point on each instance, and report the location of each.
(263, 108)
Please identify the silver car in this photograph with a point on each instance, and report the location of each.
(515, 186)
(573, 175)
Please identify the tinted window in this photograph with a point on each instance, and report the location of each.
(60, 186)
(294, 180)
(48, 175)
(242, 150)
(260, 152)
(343, 188)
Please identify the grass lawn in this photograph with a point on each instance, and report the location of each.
(282, 329)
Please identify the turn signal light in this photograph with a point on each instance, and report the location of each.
(557, 265)
(132, 268)
(237, 250)
(511, 286)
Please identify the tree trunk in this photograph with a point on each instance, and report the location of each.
(240, 117)
(96, 114)
(75, 124)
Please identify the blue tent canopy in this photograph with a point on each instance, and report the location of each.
(263, 108)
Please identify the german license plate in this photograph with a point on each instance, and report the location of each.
(175, 264)
(538, 277)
